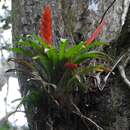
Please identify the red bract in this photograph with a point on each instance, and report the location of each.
(71, 65)
(46, 25)
(95, 34)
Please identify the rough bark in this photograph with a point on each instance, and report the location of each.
(109, 108)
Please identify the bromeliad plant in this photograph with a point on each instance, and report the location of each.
(63, 67)
(57, 71)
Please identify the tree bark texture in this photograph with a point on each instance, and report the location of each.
(109, 108)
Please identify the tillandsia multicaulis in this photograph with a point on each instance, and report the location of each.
(64, 63)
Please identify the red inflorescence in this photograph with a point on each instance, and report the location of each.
(46, 25)
(96, 33)
(71, 65)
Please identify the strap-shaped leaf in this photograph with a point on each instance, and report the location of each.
(23, 62)
(23, 43)
(74, 51)
(92, 55)
(40, 40)
(96, 44)
(22, 51)
(92, 69)
(53, 55)
(44, 63)
(33, 45)
(62, 51)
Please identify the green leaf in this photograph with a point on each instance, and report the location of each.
(34, 98)
(43, 63)
(89, 69)
(22, 51)
(23, 62)
(62, 51)
(40, 40)
(74, 51)
(53, 56)
(33, 45)
(96, 44)
(23, 43)
(92, 55)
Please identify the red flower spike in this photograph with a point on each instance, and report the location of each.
(98, 30)
(46, 25)
(71, 65)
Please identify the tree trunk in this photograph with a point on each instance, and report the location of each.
(108, 108)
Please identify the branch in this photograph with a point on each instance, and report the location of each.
(123, 75)
(121, 68)
(83, 117)
(101, 87)
(107, 76)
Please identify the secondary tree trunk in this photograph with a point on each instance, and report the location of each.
(109, 108)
